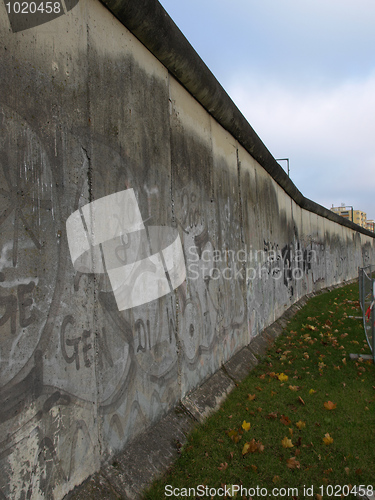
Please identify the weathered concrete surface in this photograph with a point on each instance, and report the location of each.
(86, 110)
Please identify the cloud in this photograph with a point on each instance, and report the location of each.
(327, 133)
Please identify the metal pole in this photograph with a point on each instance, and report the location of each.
(287, 161)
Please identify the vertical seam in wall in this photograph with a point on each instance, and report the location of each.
(97, 420)
(174, 224)
(244, 288)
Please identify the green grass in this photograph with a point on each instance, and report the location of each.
(313, 352)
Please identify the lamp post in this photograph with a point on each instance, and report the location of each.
(287, 161)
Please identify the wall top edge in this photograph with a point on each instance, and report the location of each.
(154, 28)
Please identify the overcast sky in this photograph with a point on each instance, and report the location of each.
(303, 74)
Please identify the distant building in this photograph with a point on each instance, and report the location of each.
(360, 218)
(356, 216)
(346, 212)
(370, 225)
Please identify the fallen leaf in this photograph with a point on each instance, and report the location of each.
(311, 391)
(300, 424)
(263, 376)
(251, 397)
(222, 466)
(327, 439)
(273, 393)
(292, 463)
(276, 479)
(328, 405)
(328, 471)
(282, 377)
(272, 415)
(246, 425)
(234, 435)
(347, 470)
(287, 443)
(249, 447)
(358, 472)
(258, 388)
(252, 446)
(294, 388)
(290, 431)
(319, 497)
(285, 420)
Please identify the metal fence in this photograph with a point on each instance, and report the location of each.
(367, 300)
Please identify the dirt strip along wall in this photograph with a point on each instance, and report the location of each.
(87, 111)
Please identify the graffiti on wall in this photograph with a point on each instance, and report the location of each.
(72, 346)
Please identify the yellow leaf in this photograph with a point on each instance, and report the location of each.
(246, 425)
(327, 439)
(251, 397)
(282, 377)
(328, 405)
(300, 424)
(246, 448)
(311, 391)
(287, 443)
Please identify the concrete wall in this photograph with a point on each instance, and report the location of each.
(86, 111)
